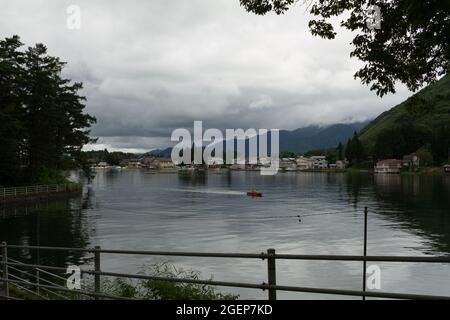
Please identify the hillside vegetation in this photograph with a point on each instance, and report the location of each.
(420, 124)
(429, 108)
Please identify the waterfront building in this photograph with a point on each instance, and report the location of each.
(388, 166)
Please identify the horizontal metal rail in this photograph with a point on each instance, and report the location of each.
(33, 266)
(86, 293)
(263, 255)
(19, 263)
(9, 297)
(265, 286)
(40, 279)
(38, 189)
(25, 289)
(271, 257)
(262, 286)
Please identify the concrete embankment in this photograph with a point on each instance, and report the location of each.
(38, 193)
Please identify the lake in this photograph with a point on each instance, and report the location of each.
(135, 210)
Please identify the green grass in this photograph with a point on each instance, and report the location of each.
(49, 177)
(425, 171)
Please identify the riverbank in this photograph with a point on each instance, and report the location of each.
(427, 171)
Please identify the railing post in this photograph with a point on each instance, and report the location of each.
(97, 283)
(365, 253)
(5, 268)
(271, 273)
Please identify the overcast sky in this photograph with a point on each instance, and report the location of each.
(151, 66)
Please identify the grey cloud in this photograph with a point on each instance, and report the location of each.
(152, 66)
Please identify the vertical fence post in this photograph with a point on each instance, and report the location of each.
(97, 283)
(365, 253)
(271, 273)
(5, 268)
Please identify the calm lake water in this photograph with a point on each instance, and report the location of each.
(210, 212)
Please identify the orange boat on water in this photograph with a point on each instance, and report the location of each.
(254, 193)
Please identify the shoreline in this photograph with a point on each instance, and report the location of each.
(34, 194)
(426, 171)
(39, 198)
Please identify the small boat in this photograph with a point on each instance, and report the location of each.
(254, 193)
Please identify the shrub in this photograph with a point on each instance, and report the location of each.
(49, 176)
(165, 290)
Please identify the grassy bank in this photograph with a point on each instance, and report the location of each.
(426, 171)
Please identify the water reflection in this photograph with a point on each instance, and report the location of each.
(417, 204)
(48, 223)
(355, 183)
(193, 178)
(409, 215)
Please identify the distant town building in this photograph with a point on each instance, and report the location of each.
(147, 162)
(319, 162)
(411, 160)
(238, 166)
(132, 163)
(304, 163)
(288, 164)
(388, 166)
(164, 163)
(215, 162)
(340, 164)
(157, 163)
(102, 165)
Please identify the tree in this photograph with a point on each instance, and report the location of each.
(287, 154)
(359, 154)
(397, 141)
(354, 151)
(411, 45)
(349, 150)
(54, 117)
(440, 143)
(425, 157)
(340, 150)
(12, 132)
(43, 123)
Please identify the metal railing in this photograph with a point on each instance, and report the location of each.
(6, 193)
(270, 286)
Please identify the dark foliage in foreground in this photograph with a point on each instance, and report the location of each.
(43, 124)
(412, 44)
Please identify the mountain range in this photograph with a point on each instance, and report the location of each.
(304, 139)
